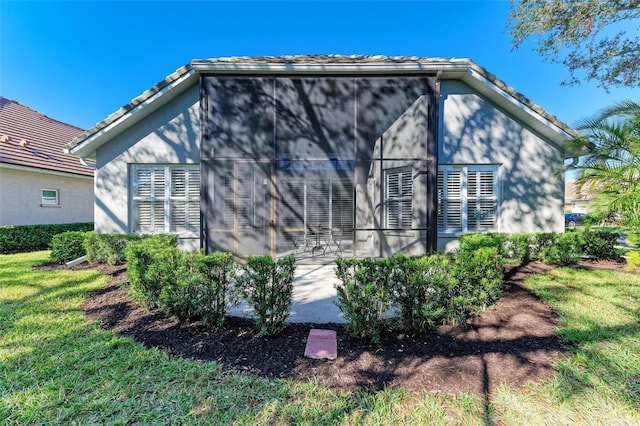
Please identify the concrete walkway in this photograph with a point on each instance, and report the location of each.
(313, 296)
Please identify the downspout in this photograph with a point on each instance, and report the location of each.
(84, 162)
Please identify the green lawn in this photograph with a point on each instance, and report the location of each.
(58, 367)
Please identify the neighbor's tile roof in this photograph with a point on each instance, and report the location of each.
(238, 63)
(31, 139)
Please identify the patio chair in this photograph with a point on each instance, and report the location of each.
(334, 239)
(301, 240)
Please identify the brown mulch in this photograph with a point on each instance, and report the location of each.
(512, 343)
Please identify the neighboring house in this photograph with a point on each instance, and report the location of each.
(576, 199)
(39, 183)
(350, 155)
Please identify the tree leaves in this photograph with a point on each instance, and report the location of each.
(595, 39)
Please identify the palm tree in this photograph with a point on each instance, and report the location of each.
(610, 165)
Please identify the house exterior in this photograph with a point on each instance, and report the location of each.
(327, 155)
(39, 183)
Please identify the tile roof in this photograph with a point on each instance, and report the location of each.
(319, 63)
(31, 139)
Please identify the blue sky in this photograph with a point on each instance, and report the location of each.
(79, 61)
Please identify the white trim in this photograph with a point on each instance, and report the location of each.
(448, 66)
(56, 202)
(166, 197)
(497, 186)
(43, 171)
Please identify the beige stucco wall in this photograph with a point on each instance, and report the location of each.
(21, 197)
(474, 131)
(169, 135)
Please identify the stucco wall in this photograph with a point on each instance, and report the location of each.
(21, 198)
(169, 135)
(475, 131)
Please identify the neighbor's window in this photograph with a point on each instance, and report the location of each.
(166, 198)
(398, 198)
(50, 197)
(467, 198)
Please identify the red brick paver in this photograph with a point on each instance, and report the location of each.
(321, 344)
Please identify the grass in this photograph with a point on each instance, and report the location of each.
(58, 367)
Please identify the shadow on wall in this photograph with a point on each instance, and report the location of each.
(169, 135)
(290, 153)
(532, 182)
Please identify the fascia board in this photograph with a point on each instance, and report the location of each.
(449, 67)
(88, 147)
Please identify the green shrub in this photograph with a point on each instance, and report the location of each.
(517, 247)
(35, 237)
(600, 244)
(419, 287)
(110, 248)
(268, 286)
(566, 249)
(67, 246)
(107, 248)
(474, 241)
(211, 278)
(542, 241)
(362, 295)
(144, 268)
(477, 280)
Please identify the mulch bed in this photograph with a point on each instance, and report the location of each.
(512, 343)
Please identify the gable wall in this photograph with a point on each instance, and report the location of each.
(472, 131)
(475, 131)
(169, 135)
(21, 198)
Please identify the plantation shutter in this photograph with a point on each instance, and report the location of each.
(227, 209)
(399, 198)
(450, 200)
(482, 200)
(165, 199)
(318, 211)
(293, 204)
(342, 204)
(148, 199)
(185, 199)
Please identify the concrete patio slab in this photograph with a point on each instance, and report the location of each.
(313, 296)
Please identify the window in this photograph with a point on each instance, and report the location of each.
(166, 199)
(467, 198)
(50, 197)
(399, 198)
(311, 203)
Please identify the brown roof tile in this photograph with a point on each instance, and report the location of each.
(31, 139)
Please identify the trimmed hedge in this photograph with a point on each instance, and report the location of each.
(67, 246)
(422, 291)
(268, 286)
(182, 285)
(549, 247)
(110, 248)
(35, 237)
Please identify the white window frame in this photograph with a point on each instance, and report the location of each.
(398, 200)
(46, 202)
(165, 198)
(465, 198)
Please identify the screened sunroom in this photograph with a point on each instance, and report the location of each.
(318, 166)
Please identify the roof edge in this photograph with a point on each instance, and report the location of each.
(84, 144)
(466, 70)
